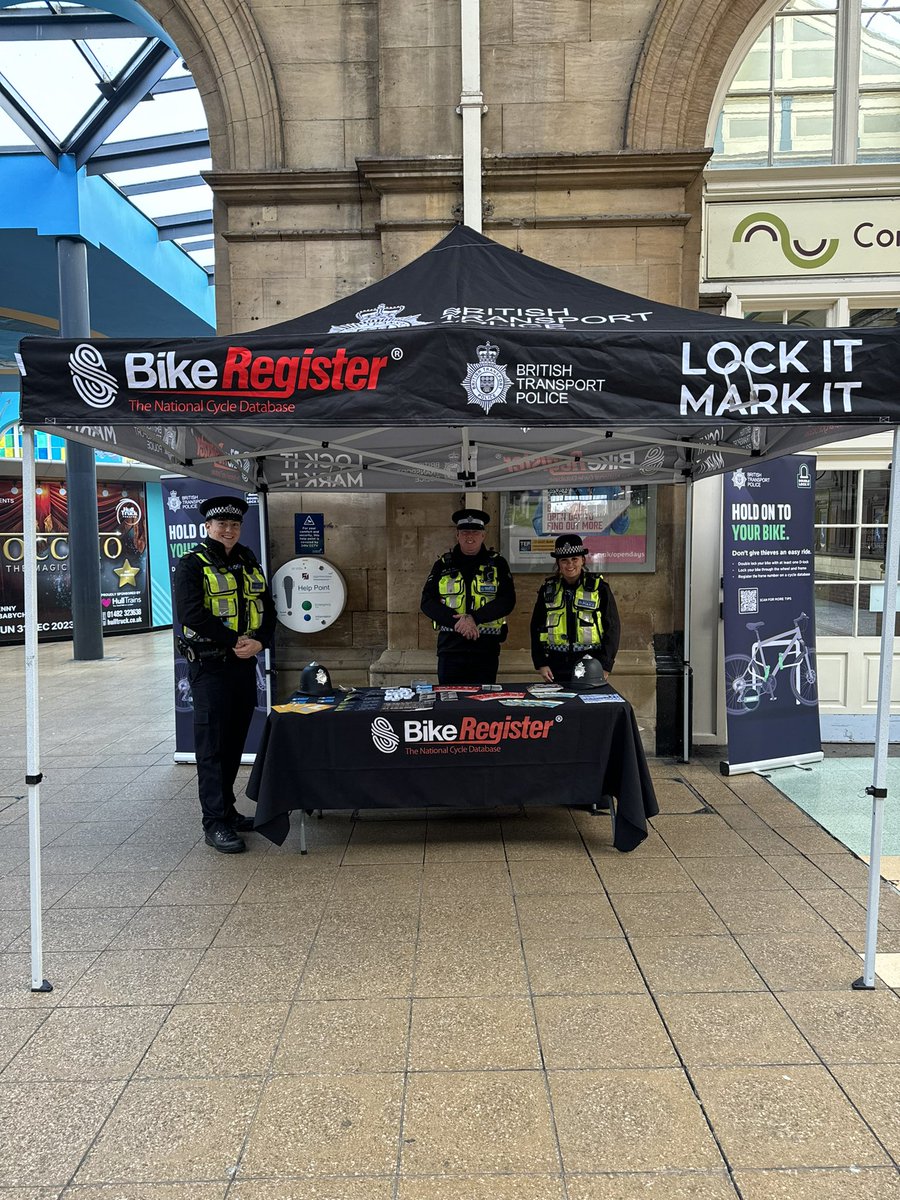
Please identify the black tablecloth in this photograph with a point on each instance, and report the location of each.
(463, 753)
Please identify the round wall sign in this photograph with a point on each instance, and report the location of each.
(309, 594)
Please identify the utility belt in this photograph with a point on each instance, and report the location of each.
(194, 653)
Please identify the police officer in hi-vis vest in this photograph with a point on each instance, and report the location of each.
(575, 614)
(467, 596)
(228, 616)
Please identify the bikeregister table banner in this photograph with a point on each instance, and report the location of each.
(771, 694)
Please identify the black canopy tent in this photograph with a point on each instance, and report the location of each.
(472, 367)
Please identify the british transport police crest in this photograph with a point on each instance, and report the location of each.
(486, 383)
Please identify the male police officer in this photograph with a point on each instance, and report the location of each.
(467, 596)
(227, 615)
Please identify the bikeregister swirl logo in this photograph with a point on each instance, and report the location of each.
(90, 378)
(775, 228)
(383, 735)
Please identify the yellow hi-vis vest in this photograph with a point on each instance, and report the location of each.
(485, 584)
(586, 604)
(220, 594)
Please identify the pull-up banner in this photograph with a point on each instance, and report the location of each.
(184, 529)
(771, 690)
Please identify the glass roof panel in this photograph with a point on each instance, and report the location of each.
(172, 112)
(53, 78)
(10, 133)
(150, 174)
(164, 204)
(114, 53)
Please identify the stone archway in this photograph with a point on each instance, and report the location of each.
(221, 44)
(684, 55)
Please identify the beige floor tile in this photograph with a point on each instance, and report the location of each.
(134, 977)
(370, 1188)
(839, 909)
(475, 1122)
(799, 872)
(174, 927)
(457, 965)
(682, 913)
(201, 887)
(326, 1125)
(467, 841)
(274, 886)
(60, 968)
(801, 961)
(749, 874)
(47, 1151)
(777, 1116)
(848, 1027)
(534, 876)
(733, 1029)
(666, 1185)
(355, 971)
(78, 928)
(148, 1191)
(240, 974)
(875, 1090)
(599, 1032)
(111, 889)
(694, 964)
(856, 1183)
(16, 1027)
(887, 965)
(173, 1129)
(593, 1109)
(215, 1040)
(597, 835)
(391, 879)
(377, 853)
(464, 879)
(473, 1034)
(344, 1036)
(362, 922)
(843, 867)
(778, 911)
(258, 925)
(703, 836)
(890, 866)
(629, 873)
(491, 916)
(483, 1187)
(567, 966)
(88, 1044)
(575, 915)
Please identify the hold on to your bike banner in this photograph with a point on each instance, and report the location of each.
(184, 529)
(771, 692)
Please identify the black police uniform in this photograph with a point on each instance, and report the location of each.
(562, 662)
(223, 685)
(461, 661)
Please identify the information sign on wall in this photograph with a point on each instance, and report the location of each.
(309, 533)
(310, 594)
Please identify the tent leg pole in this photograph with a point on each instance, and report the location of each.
(32, 733)
(688, 552)
(878, 790)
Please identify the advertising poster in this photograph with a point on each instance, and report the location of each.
(124, 566)
(617, 525)
(184, 529)
(771, 692)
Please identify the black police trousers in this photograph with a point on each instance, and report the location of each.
(224, 691)
(469, 668)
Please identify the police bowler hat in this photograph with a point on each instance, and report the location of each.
(315, 680)
(568, 545)
(223, 508)
(588, 674)
(470, 518)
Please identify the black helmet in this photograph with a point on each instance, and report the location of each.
(588, 674)
(315, 680)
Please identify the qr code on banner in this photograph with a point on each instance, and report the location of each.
(748, 600)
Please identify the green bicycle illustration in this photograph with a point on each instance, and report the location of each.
(750, 677)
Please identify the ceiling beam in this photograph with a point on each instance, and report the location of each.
(161, 185)
(68, 26)
(149, 152)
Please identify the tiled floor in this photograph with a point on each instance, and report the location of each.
(453, 1008)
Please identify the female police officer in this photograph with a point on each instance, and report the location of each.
(227, 617)
(574, 614)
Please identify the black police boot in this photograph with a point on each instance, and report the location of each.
(241, 824)
(225, 840)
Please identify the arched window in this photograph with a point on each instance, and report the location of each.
(818, 84)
